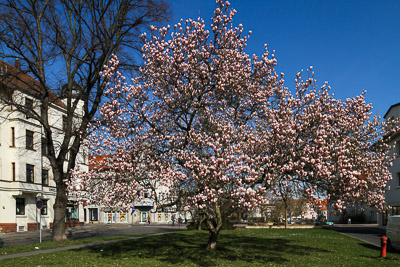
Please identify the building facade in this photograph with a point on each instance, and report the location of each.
(144, 210)
(316, 211)
(25, 171)
(392, 195)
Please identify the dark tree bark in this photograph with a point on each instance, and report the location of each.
(214, 224)
(64, 45)
(285, 207)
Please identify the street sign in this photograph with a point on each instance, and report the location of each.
(39, 204)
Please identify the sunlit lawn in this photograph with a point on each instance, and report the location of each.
(245, 247)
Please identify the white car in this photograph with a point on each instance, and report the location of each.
(393, 232)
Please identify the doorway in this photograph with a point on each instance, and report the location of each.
(143, 216)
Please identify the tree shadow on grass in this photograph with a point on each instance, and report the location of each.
(370, 246)
(180, 248)
(388, 259)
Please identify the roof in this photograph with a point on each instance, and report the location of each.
(392, 106)
(98, 162)
(320, 204)
(26, 83)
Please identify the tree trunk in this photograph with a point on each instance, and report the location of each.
(201, 222)
(60, 207)
(212, 240)
(286, 216)
(214, 226)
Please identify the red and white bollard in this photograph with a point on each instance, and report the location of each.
(383, 246)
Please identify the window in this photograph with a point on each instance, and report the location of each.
(64, 123)
(395, 210)
(43, 211)
(28, 106)
(13, 171)
(29, 139)
(398, 179)
(30, 173)
(12, 136)
(45, 177)
(44, 146)
(20, 206)
(72, 212)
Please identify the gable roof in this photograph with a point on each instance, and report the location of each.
(24, 82)
(392, 106)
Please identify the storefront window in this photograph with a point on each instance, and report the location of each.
(72, 213)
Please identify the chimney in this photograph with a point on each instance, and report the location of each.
(17, 64)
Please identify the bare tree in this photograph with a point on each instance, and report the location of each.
(68, 42)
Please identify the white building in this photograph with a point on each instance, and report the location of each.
(140, 211)
(25, 172)
(393, 195)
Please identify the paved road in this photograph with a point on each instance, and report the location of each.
(87, 231)
(369, 233)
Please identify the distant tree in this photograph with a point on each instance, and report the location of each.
(277, 210)
(68, 42)
(297, 207)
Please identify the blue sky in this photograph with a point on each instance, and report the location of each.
(354, 45)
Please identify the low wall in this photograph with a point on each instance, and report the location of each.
(32, 226)
(8, 227)
(283, 227)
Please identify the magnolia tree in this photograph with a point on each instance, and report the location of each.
(324, 147)
(192, 109)
(217, 128)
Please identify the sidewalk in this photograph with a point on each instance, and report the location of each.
(87, 231)
(37, 252)
(369, 233)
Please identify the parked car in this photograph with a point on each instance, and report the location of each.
(393, 232)
(329, 223)
(1, 242)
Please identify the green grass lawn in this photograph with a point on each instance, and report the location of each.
(244, 247)
(51, 244)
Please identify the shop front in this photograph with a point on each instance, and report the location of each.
(143, 208)
(115, 217)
